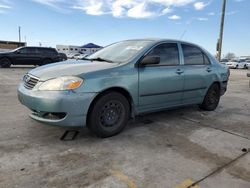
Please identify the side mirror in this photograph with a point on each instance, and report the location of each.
(150, 60)
(18, 52)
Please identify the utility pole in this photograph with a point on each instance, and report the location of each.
(219, 44)
(19, 32)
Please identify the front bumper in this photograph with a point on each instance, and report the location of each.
(74, 106)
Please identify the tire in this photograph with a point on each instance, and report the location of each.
(46, 61)
(245, 66)
(236, 67)
(109, 115)
(5, 63)
(211, 99)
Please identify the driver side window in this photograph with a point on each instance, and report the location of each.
(22, 50)
(168, 53)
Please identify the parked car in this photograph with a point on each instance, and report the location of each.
(75, 56)
(237, 64)
(63, 56)
(121, 81)
(72, 55)
(81, 56)
(223, 61)
(248, 64)
(29, 56)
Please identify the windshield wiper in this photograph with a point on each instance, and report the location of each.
(101, 59)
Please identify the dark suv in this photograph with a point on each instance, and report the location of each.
(29, 56)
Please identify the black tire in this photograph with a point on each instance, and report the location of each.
(236, 67)
(5, 62)
(46, 61)
(109, 115)
(211, 99)
(245, 66)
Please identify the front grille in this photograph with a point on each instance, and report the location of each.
(30, 81)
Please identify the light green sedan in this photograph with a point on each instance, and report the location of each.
(121, 81)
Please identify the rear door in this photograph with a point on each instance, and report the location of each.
(198, 74)
(161, 85)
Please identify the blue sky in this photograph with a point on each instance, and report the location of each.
(77, 22)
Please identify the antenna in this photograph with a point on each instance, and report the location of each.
(182, 35)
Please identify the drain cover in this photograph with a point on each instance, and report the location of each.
(69, 135)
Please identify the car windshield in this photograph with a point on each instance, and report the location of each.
(119, 52)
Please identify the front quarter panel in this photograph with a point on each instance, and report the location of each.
(124, 76)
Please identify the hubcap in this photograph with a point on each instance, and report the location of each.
(111, 114)
(213, 98)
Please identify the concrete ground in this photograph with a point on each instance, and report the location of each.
(171, 149)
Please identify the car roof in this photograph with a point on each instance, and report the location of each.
(158, 40)
(37, 47)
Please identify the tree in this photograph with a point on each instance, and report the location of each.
(230, 55)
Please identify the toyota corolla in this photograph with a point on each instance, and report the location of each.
(123, 80)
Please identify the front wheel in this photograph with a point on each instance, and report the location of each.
(211, 99)
(109, 115)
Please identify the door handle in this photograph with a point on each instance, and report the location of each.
(209, 69)
(179, 71)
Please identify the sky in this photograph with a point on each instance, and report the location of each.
(77, 22)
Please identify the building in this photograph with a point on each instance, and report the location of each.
(245, 57)
(85, 49)
(10, 45)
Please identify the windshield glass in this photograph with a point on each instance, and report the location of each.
(121, 51)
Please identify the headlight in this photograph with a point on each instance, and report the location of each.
(61, 83)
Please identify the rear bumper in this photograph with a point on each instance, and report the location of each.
(72, 107)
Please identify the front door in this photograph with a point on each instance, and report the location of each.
(161, 85)
(26, 56)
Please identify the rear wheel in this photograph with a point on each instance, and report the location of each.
(211, 99)
(5, 63)
(46, 61)
(245, 66)
(109, 115)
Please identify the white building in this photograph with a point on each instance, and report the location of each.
(85, 49)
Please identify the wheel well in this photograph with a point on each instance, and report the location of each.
(218, 83)
(122, 91)
(6, 58)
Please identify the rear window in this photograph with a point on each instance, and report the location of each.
(194, 56)
(47, 50)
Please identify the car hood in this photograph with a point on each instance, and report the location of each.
(4, 53)
(69, 68)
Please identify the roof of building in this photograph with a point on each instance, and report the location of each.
(91, 45)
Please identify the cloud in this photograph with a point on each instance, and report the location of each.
(139, 11)
(200, 5)
(202, 19)
(211, 14)
(58, 5)
(123, 8)
(174, 17)
(4, 6)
